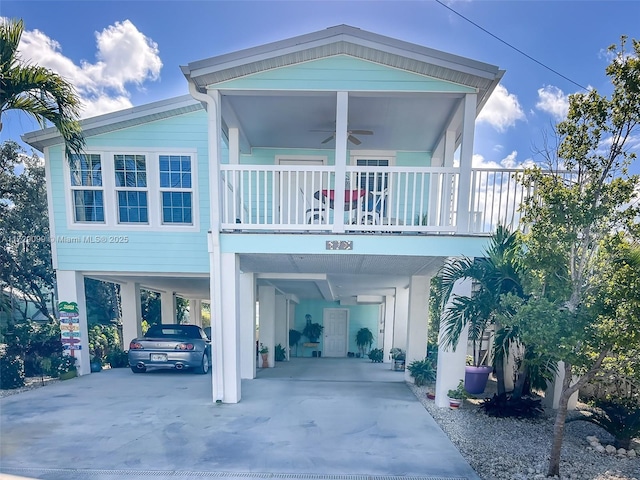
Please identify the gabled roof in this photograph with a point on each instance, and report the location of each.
(344, 39)
(110, 122)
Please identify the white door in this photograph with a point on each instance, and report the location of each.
(336, 332)
(296, 189)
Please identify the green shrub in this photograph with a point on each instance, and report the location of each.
(504, 405)
(376, 355)
(280, 353)
(11, 372)
(422, 371)
(118, 358)
(618, 416)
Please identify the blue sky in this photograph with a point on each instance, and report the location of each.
(127, 53)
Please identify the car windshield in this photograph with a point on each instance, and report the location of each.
(185, 331)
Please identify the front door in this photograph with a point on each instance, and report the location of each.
(336, 328)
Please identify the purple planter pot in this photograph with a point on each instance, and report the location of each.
(475, 379)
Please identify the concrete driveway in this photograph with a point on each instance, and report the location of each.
(311, 418)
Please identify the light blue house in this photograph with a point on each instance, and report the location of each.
(326, 175)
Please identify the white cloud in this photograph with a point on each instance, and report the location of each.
(124, 56)
(502, 110)
(510, 162)
(552, 100)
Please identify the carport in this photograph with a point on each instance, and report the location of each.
(311, 418)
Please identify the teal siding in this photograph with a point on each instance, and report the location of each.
(342, 72)
(359, 316)
(145, 250)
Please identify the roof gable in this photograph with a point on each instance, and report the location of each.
(341, 72)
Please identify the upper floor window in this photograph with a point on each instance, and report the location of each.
(176, 188)
(86, 188)
(131, 188)
(372, 181)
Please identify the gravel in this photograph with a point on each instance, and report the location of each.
(513, 449)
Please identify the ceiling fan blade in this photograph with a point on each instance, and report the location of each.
(329, 139)
(361, 132)
(354, 140)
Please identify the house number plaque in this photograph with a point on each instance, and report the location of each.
(339, 245)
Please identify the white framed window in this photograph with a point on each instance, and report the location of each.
(176, 189)
(373, 181)
(87, 194)
(131, 188)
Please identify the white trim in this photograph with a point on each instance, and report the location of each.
(52, 217)
(389, 155)
(303, 158)
(152, 160)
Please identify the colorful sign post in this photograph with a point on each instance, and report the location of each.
(70, 326)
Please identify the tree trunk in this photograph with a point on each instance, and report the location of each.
(558, 426)
(523, 373)
(499, 362)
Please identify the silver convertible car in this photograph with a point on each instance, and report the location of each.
(171, 346)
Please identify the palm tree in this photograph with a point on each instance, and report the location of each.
(497, 274)
(37, 91)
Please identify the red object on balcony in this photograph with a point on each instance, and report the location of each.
(350, 197)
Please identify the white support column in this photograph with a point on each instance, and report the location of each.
(342, 111)
(195, 311)
(291, 322)
(280, 323)
(451, 362)
(554, 390)
(389, 322)
(131, 312)
(234, 146)
(449, 148)
(418, 321)
(230, 290)
(466, 158)
(247, 326)
(401, 319)
(168, 307)
(71, 289)
(267, 332)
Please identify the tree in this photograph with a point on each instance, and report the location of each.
(37, 91)
(25, 249)
(494, 276)
(579, 221)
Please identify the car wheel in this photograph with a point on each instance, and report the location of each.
(135, 369)
(204, 366)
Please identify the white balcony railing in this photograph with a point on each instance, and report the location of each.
(377, 199)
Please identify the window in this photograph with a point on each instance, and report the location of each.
(86, 188)
(372, 181)
(131, 188)
(176, 189)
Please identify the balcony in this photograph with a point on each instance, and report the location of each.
(398, 200)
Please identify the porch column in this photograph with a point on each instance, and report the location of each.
(131, 312)
(466, 158)
(195, 311)
(554, 390)
(401, 318)
(247, 326)
(342, 110)
(267, 331)
(418, 321)
(389, 321)
(280, 323)
(168, 307)
(451, 362)
(230, 291)
(291, 321)
(70, 286)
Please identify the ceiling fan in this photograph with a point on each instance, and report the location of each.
(350, 135)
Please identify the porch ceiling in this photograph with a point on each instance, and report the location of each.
(307, 277)
(408, 121)
(337, 277)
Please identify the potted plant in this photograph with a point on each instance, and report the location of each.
(422, 372)
(95, 364)
(398, 356)
(313, 331)
(376, 355)
(280, 353)
(264, 352)
(457, 396)
(294, 338)
(364, 340)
